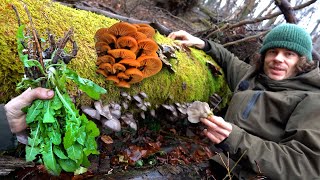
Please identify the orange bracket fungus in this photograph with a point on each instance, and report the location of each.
(127, 53)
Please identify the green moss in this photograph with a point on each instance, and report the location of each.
(192, 80)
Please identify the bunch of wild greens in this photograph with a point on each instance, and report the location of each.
(60, 137)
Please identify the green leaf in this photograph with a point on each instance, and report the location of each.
(48, 115)
(31, 153)
(50, 160)
(82, 136)
(54, 134)
(34, 111)
(31, 149)
(90, 88)
(68, 165)
(75, 152)
(57, 151)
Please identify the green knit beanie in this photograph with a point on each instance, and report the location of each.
(289, 36)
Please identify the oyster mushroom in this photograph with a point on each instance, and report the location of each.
(128, 119)
(117, 67)
(127, 42)
(113, 124)
(93, 113)
(198, 110)
(121, 29)
(149, 65)
(120, 54)
(147, 46)
(134, 74)
(115, 110)
(113, 78)
(105, 59)
(130, 62)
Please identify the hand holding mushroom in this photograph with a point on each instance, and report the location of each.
(187, 39)
(217, 128)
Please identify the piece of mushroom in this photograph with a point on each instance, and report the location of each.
(123, 84)
(122, 75)
(147, 30)
(99, 33)
(109, 39)
(129, 120)
(93, 113)
(117, 67)
(105, 59)
(147, 46)
(102, 48)
(113, 78)
(120, 54)
(127, 42)
(102, 72)
(107, 67)
(134, 74)
(121, 29)
(149, 65)
(198, 110)
(130, 62)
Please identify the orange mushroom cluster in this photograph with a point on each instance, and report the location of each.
(127, 53)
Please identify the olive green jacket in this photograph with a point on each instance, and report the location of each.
(275, 124)
(7, 139)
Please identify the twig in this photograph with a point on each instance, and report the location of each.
(245, 39)
(35, 36)
(17, 14)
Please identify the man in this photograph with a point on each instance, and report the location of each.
(13, 120)
(273, 120)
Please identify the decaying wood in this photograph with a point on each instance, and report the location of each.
(9, 164)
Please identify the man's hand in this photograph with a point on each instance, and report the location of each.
(187, 39)
(17, 118)
(217, 128)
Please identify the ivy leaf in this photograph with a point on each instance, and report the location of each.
(90, 88)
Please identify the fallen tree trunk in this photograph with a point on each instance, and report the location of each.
(190, 81)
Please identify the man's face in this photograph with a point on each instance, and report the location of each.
(280, 63)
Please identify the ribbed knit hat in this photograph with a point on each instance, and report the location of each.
(289, 36)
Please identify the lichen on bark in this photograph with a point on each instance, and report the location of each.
(191, 81)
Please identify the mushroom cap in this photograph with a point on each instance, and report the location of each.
(127, 42)
(121, 29)
(130, 62)
(113, 78)
(122, 53)
(106, 66)
(147, 46)
(117, 67)
(134, 74)
(147, 30)
(103, 72)
(137, 35)
(105, 59)
(99, 33)
(123, 84)
(102, 47)
(149, 65)
(122, 75)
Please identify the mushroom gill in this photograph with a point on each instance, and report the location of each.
(99, 33)
(105, 59)
(137, 35)
(149, 65)
(130, 62)
(102, 48)
(103, 72)
(106, 66)
(122, 75)
(117, 67)
(109, 39)
(134, 74)
(120, 54)
(127, 42)
(121, 29)
(147, 47)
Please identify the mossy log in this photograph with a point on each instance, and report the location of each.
(192, 79)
